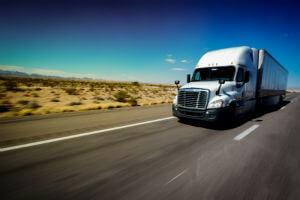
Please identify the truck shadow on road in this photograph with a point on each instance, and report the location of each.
(260, 111)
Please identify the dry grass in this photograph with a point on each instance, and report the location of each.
(28, 96)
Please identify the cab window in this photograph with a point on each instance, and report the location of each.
(240, 75)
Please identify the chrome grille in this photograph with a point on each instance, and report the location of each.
(192, 98)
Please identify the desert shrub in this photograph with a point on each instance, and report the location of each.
(33, 105)
(28, 84)
(121, 96)
(25, 112)
(23, 102)
(132, 101)
(91, 107)
(110, 99)
(92, 87)
(6, 102)
(135, 83)
(55, 100)
(5, 106)
(66, 109)
(38, 89)
(2, 95)
(98, 98)
(155, 91)
(161, 102)
(110, 107)
(11, 86)
(96, 93)
(35, 95)
(111, 87)
(71, 91)
(134, 91)
(75, 103)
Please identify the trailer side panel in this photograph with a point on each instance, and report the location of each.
(272, 76)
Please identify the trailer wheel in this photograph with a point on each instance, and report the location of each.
(280, 100)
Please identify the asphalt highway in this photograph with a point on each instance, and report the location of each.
(144, 153)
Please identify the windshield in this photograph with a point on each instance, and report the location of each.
(214, 73)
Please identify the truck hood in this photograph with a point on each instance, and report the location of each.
(210, 85)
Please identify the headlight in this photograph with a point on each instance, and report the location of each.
(216, 104)
(175, 100)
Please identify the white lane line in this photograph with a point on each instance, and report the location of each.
(282, 108)
(176, 176)
(246, 132)
(82, 134)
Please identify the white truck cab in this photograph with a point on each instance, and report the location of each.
(224, 84)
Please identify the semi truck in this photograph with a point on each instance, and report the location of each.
(230, 82)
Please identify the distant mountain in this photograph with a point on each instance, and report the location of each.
(26, 75)
(13, 73)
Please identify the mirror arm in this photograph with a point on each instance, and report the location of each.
(177, 83)
(218, 91)
(221, 82)
(188, 77)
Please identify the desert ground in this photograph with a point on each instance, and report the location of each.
(30, 96)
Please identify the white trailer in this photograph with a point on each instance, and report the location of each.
(230, 81)
(272, 79)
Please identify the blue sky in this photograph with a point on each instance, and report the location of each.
(148, 41)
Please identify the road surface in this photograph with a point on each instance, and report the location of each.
(258, 158)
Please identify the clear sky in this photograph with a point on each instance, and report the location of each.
(149, 41)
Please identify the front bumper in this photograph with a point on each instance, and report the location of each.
(211, 115)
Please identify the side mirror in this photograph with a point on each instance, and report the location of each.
(188, 78)
(177, 83)
(221, 81)
(247, 76)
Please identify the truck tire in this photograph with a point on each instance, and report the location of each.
(280, 100)
(232, 115)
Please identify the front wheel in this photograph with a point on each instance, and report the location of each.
(232, 114)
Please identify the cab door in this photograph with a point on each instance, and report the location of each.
(241, 88)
